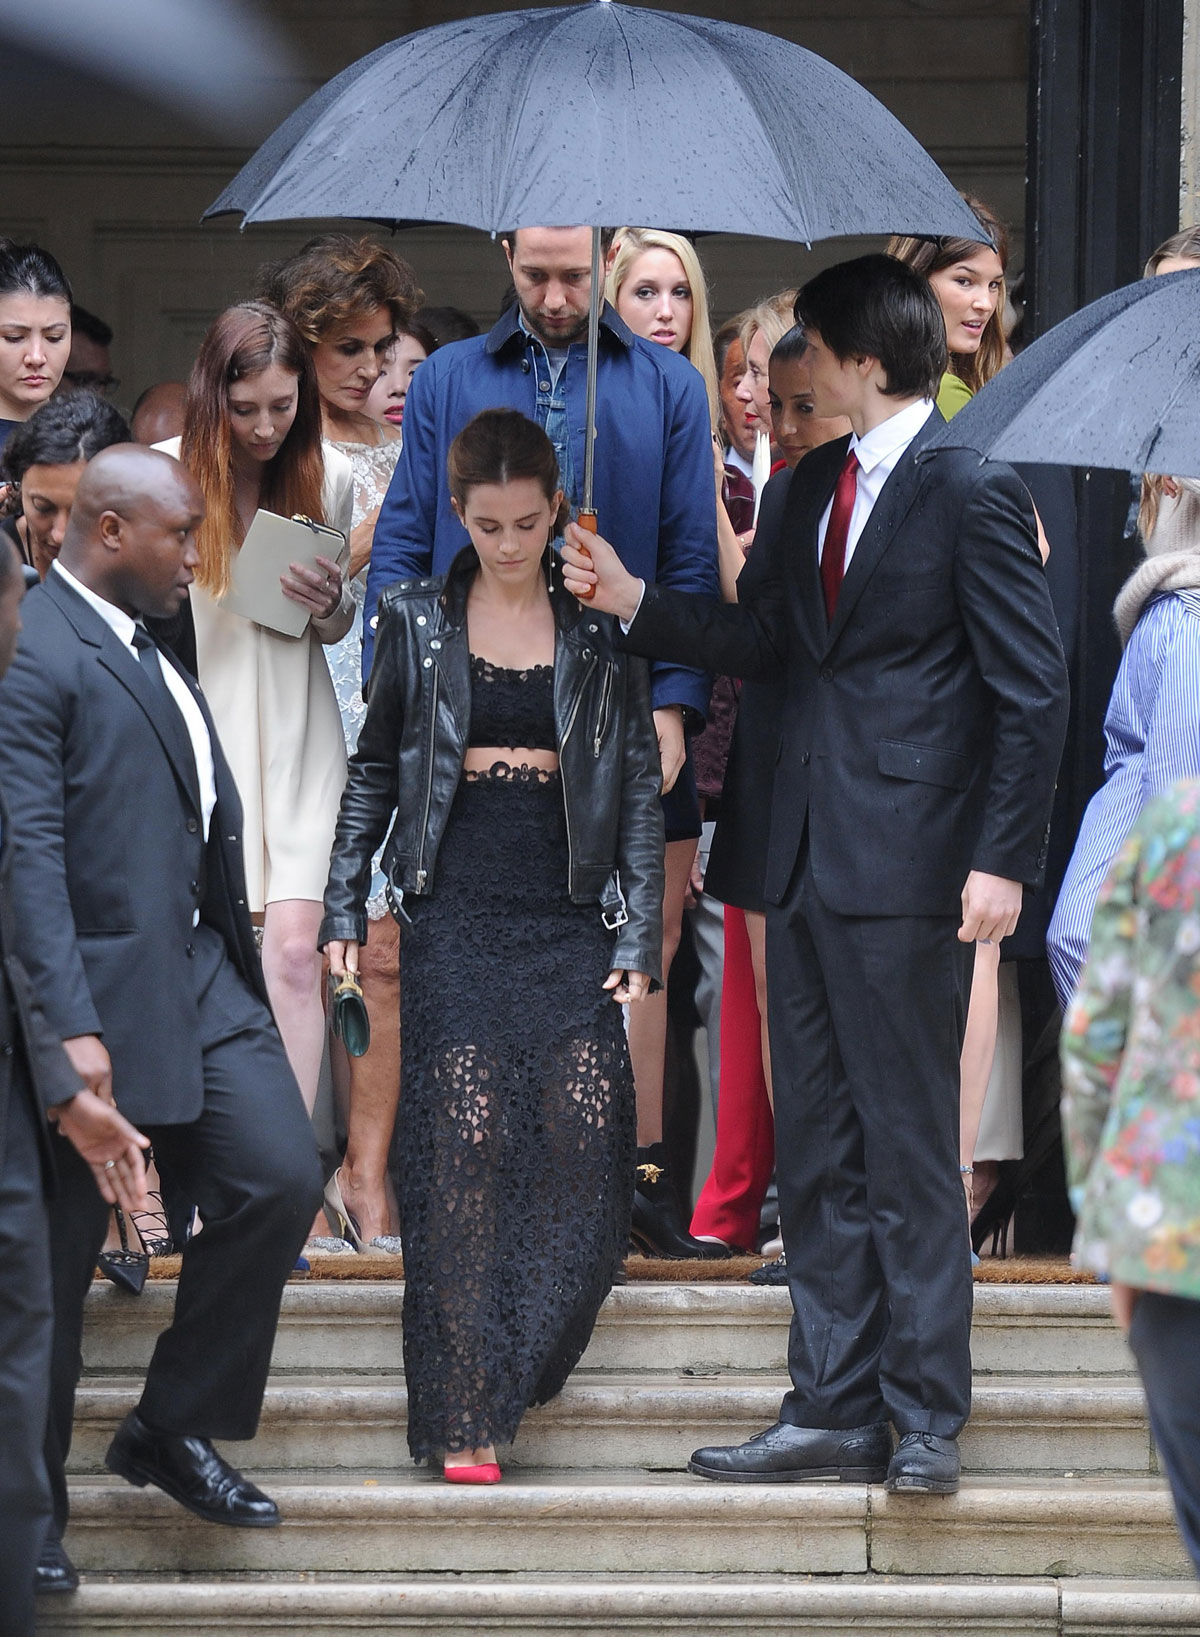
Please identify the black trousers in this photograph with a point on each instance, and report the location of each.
(250, 1164)
(1165, 1337)
(26, 1323)
(866, 1021)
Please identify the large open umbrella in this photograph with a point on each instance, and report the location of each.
(1115, 385)
(599, 114)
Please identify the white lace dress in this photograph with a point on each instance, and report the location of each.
(372, 468)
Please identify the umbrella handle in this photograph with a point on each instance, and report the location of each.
(588, 522)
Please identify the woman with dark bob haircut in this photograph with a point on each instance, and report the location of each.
(509, 754)
(42, 463)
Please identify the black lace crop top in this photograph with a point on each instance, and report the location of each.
(512, 708)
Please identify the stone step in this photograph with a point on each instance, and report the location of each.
(355, 1328)
(1018, 1425)
(637, 1523)
(621, 1606)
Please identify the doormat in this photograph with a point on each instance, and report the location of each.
(992, 1270)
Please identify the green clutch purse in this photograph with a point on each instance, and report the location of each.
(348, 1014)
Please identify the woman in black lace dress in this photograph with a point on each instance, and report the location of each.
(514, 743)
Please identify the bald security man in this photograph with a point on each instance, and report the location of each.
(37, 1084)
(128, 861)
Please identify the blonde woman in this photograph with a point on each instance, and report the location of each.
(656, 283)
(763, 327)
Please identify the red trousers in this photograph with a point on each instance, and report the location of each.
(731, 1199)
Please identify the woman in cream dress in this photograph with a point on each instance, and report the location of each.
(252, 438)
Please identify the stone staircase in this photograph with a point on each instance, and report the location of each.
(1063, 1524)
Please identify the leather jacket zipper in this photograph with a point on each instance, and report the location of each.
(602, 712)
(561, 747)
(421, 871)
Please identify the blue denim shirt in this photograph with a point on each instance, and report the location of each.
(654, 486)
(553, 413)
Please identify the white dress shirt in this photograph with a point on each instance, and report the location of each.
(122, 627)
(879, 453)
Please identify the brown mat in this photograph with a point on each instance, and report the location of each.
(1010, 1270)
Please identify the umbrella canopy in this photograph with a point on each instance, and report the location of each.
(600, 114)
(1117, 384)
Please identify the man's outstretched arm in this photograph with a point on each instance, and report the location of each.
(747, 640)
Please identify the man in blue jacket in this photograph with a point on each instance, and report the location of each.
(654, 488)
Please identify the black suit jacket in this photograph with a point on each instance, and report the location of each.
(737, 860)
(33, 1064)
(922, 729)
(110, 863)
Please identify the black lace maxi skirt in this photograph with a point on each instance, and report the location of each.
(517, 1123)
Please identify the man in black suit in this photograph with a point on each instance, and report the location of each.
(128, 860)
(905, 603)
(36, 1082)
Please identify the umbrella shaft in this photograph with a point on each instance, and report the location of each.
(595, 302)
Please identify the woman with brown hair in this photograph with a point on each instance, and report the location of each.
(967, 277)
(350, 298)
(510, 757)
(252, 439)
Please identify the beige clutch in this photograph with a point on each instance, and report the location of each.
(271, 546)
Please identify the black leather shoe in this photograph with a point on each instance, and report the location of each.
(191, 1472)
(657, 1228)
(771, 1273)
(55, 1572)
(785, 1455)
(924, 1465)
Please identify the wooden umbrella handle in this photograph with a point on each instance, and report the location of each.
(587, 521)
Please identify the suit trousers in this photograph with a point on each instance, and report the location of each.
(250, 1164)
(1165, 1337)
(866, 1020)
(26, 1322)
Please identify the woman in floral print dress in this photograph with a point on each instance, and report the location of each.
(1131, 1109)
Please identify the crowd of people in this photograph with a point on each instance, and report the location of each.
(800, 703)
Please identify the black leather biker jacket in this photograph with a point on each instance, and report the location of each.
(412, 744)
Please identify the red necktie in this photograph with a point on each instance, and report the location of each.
(833, 557)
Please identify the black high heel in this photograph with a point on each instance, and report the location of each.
(657, 1227)
(125, 1268)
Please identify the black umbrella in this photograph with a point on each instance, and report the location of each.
(1117, 384)
(600, 113)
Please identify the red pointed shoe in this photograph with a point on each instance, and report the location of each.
(489, 1474)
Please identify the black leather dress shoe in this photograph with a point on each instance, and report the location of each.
(191, 1472)
(55, 1572)
(924, 1465)
(771, 1273)
(786, 1455)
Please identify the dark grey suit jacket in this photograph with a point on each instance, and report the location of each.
(922, 729)
(32, 1062)
(109, 860)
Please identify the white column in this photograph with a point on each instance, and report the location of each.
(1189, 157)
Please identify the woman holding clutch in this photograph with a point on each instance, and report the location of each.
(509, 752)
(252, 440)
